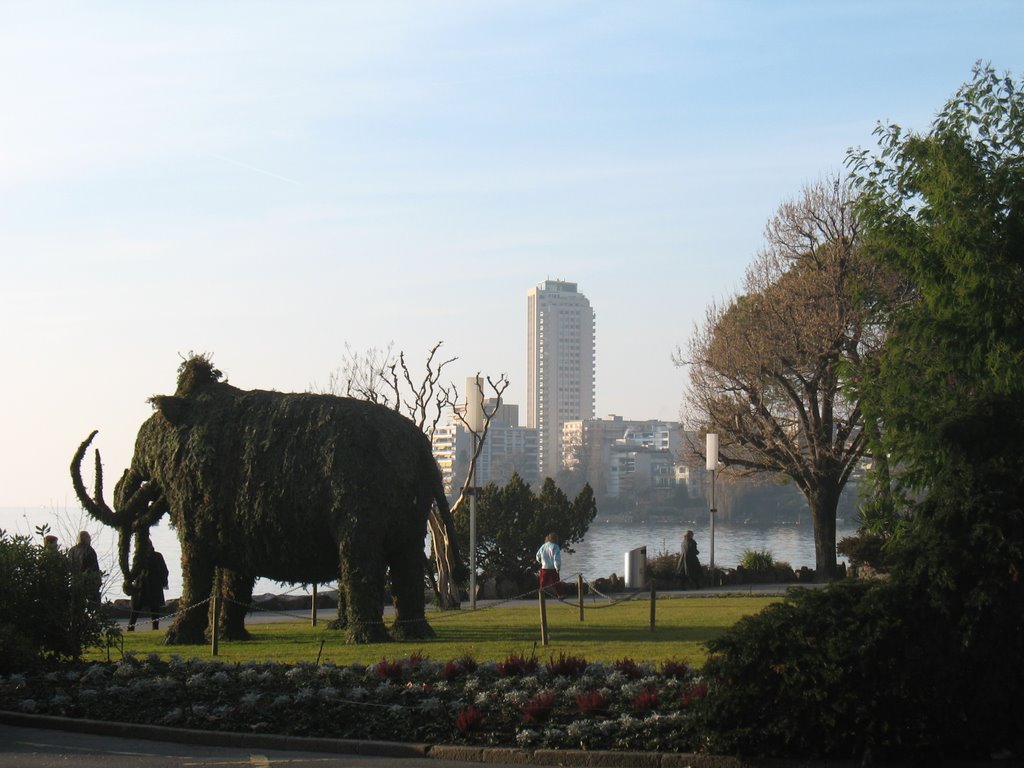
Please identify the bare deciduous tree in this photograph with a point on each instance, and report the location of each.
(768, 369)
(384, 378)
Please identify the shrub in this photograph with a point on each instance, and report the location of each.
(855, 670)
(661, 569)
(676, 669)
(629, 668)
(45, 614)
(757, 560)
(460, 667)
(864, 549)
(566, 666)
(517, 666)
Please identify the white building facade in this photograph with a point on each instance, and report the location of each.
(560, 366)
(507, 448)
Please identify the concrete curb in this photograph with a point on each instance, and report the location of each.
(459, 752)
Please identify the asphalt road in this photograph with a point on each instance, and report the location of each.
(40, 748)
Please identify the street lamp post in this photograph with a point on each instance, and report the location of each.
(711, 465)
(474, 421)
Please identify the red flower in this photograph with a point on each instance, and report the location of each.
(645, 700)
(694, 693)
(539, 708)
(592, 702)
(469, 719)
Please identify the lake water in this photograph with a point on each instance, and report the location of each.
(600, 554)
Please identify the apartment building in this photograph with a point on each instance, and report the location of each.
(560, 366)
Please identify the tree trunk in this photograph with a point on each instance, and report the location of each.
(824, 501)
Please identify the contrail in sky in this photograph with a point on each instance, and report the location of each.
(252, 168)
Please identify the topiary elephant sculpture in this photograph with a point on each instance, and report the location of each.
(298, 488)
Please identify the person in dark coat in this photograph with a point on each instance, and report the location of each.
(149, 588)
(689, 564)
(86, 566)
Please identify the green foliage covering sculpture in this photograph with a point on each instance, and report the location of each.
(298, 488)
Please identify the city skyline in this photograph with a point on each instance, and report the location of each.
(276, 185)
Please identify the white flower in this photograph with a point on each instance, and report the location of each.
(327, 693)
(553, 734)
(577, 729)
(482, 699)
(431, 705)
(515, 698)
(616, 679)
(526, 737)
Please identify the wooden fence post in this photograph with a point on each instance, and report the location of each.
(653, 603)
(543, 618)
(215, 628)
(313, 608)
(579, 592)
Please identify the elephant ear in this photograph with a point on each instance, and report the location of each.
(170, 407)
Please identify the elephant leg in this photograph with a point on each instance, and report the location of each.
(189, 626)
(236, 596)
(341, 622)
(407, 588)
(360, 585)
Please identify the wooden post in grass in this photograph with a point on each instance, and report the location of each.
(312, 609)
(579, 592)
(543, 618)
(653, 603)
(215, 624)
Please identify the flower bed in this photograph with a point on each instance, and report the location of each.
(564, 703)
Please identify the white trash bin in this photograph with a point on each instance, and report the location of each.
(636, 568)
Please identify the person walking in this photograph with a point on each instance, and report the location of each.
(689, 564)
(85, 566)
(550, 558)
(148, 590)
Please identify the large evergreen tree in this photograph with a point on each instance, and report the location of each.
(512, 522)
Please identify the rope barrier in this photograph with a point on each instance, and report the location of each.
(256, 607)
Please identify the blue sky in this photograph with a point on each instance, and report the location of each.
(269, 182)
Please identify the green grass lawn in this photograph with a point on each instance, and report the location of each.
(609, 633)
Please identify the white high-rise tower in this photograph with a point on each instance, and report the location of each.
(559, 366)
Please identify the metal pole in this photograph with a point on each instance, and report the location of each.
(713, 510)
